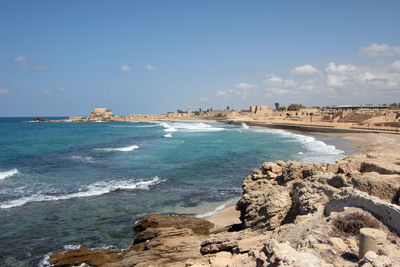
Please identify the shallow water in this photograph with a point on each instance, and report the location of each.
(87, 183)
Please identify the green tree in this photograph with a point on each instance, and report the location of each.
(295, 107)
(227, 108)
(276, 106)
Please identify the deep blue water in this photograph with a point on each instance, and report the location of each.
(87, 183)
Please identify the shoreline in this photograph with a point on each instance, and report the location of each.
(361, 142)
(229, 230)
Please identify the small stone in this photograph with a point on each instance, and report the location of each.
(338, 244)
(370, 256)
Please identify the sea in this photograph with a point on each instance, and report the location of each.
(70, 184)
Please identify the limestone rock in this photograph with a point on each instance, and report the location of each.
(218, 243)
(386, 187)
(282, 254)
(198, 226)
(265, 207)
(83, 255)
(338, 244)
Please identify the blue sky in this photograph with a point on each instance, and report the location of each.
(66, 57)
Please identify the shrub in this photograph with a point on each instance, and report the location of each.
(351, 224)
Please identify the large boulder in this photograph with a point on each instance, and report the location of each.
(266, 207)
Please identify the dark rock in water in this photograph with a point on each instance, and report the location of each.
(93, 257)
(40, 119)
(198, 226)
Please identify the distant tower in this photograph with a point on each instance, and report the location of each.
(189, 113)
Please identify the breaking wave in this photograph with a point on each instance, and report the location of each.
(189, 127)
(96, 189)
(168, 135)
(6, 174)
(121, 149)
(314, 150)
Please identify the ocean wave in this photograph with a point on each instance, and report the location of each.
(168, 135)
(6, 174)
(96, 189)
(189, 127)
(244, 126)
(83, 159)
(121, 149)
(309, 142)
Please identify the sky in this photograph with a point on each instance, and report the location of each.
(61, 58)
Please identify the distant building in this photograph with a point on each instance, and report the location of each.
(335, 109)
(99, 114)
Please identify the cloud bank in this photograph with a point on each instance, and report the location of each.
(335, 83)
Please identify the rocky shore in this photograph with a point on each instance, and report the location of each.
(291, 214)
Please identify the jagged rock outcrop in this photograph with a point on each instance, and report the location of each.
(289, 213)
(269, 191)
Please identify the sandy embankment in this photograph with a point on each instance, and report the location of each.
(363, 142)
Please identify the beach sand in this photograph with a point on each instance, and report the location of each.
(361, 142)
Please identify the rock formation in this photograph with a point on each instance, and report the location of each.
(292, 214)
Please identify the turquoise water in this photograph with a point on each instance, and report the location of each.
(87, 183)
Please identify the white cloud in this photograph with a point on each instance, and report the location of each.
(61, 89)
(376, 50)
(337, 83)
(46, 92)
(305, 70)
(243, 85)
(22, 60)
(151, 67)
(341, 69)
(126, 68)
(273, 79)
(224, 92)
(27, 63)
(335, 80)
(396, 65)
(4, 91)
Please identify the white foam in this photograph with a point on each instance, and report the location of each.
(45, 262)
(168, 135)
(83, 159)
(96, 189)
(309, 142)
(121, 149)
(244, 126)
(189, 127)
(7, 174)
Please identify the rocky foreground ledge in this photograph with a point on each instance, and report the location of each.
(292, 214)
